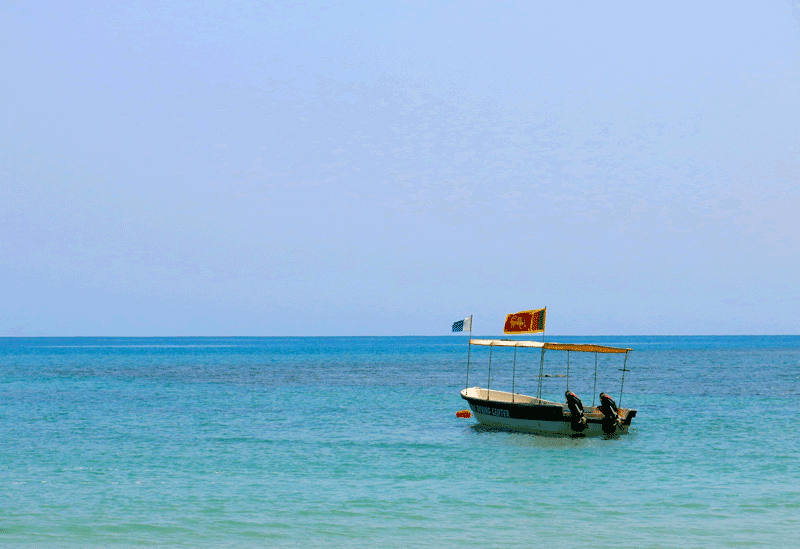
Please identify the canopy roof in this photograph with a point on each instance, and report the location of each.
(587, 348)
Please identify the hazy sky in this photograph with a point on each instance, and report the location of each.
(354, 168)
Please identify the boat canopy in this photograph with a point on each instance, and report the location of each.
(587, 348)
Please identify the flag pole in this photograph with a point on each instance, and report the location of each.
(469, 349)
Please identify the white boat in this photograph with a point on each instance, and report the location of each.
(519, 412)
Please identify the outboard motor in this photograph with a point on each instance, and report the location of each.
(611, 420)
(578, 422)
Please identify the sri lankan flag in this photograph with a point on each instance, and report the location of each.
(525, 322)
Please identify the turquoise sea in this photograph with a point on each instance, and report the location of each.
(354, 442)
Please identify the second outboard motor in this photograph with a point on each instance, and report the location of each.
(578, 421)
(611, 420)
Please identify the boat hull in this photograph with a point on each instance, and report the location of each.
(518, 412)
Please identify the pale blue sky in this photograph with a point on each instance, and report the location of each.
(353, 168)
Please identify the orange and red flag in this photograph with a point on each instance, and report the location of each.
(525, 322)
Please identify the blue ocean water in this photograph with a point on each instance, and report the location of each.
(343, 442)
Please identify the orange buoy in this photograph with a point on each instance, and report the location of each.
(463, 413)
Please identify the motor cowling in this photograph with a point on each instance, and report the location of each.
(611, 419)
(578, 419)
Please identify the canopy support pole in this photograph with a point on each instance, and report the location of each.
(514, 376)
(594, 392)
(489, 381)
(567, 370)
(624, 369)
(541, 375)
